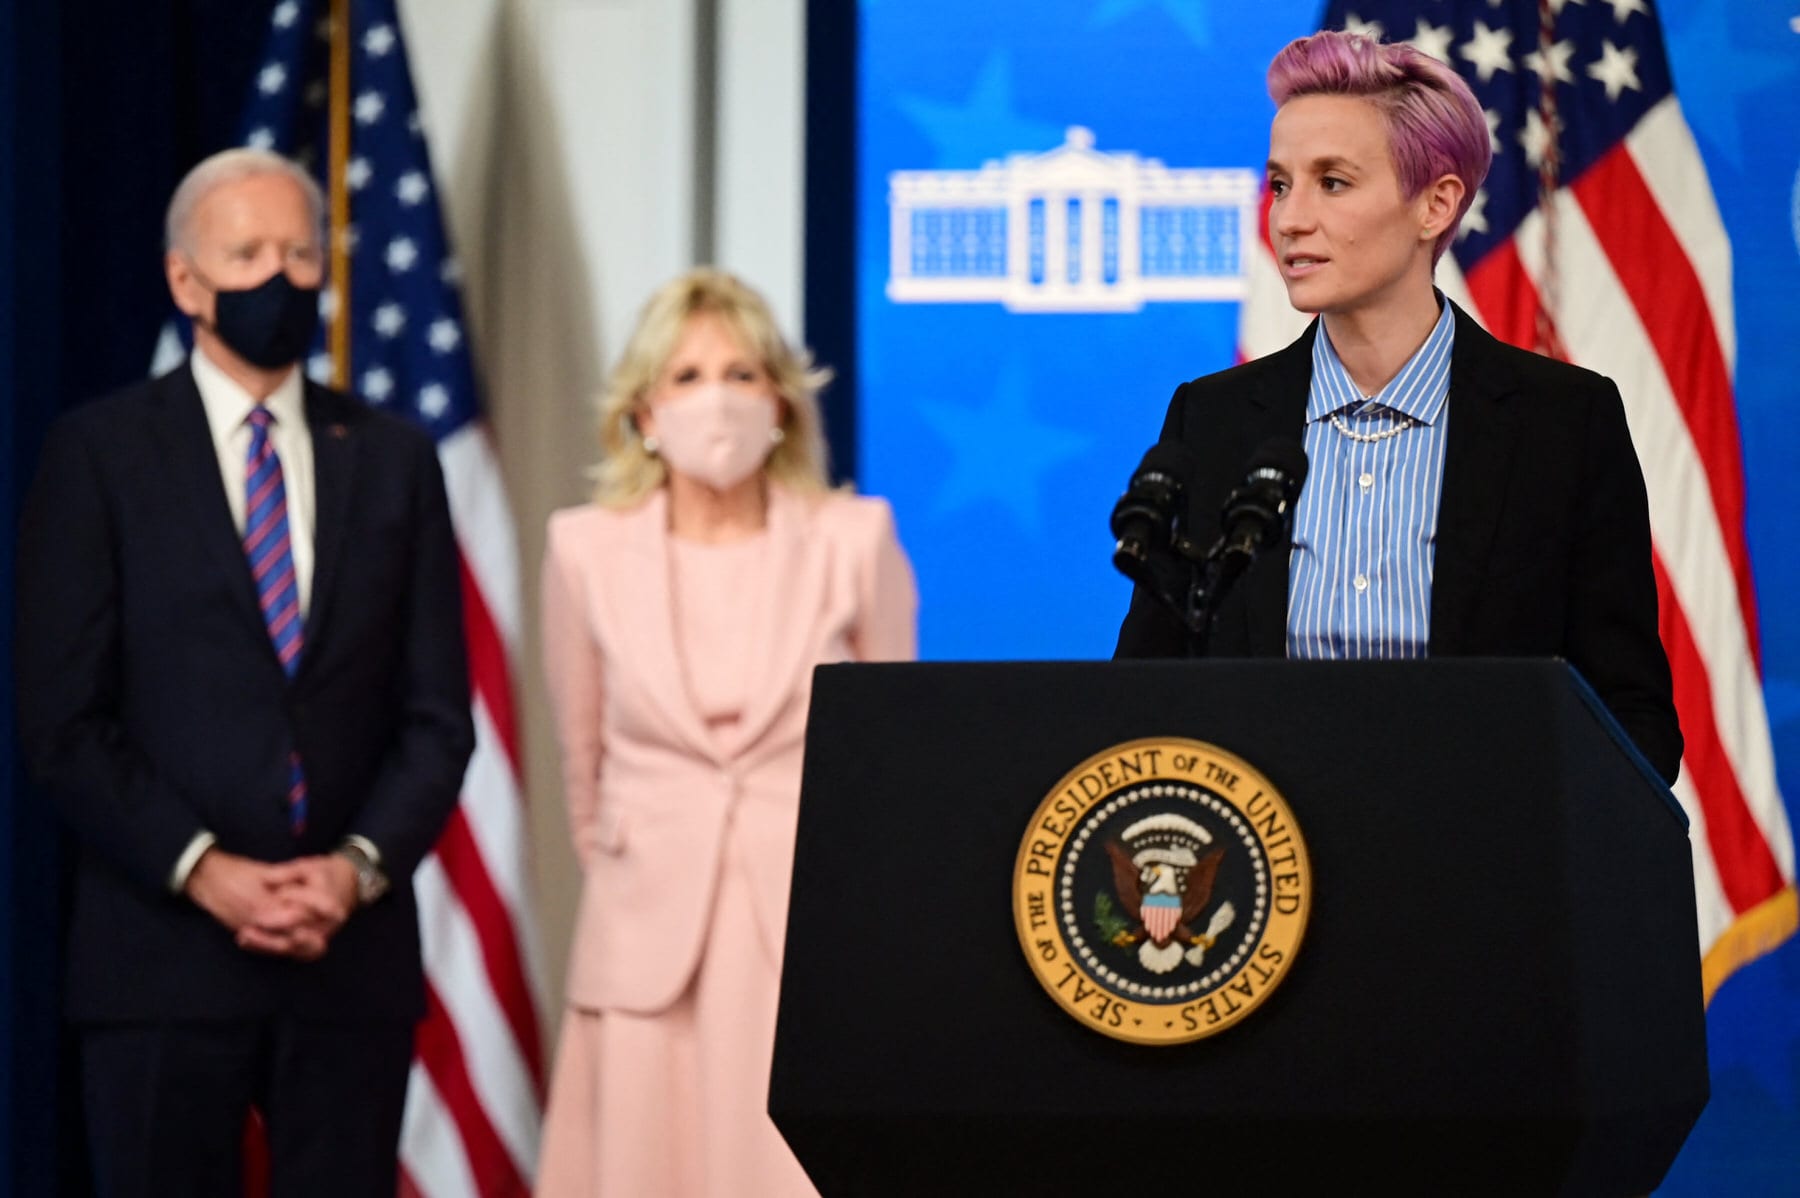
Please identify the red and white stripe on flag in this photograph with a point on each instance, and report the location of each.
(1642, 281)
(475, 1100)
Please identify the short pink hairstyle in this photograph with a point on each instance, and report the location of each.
(1435, 125)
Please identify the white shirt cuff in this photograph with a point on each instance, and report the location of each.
(190, 857)
(367, 848)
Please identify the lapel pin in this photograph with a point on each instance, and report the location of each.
(339, 431)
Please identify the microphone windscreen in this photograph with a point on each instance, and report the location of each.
(1283, 454)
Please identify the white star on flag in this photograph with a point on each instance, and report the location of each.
(1493, 124)
(377, 384)
(390, 318)
(318, 368)
(434, 400)
(316, 93)
(271, 79)
(328, 303)
(1489, 50)
(357, 173)
(1537, 138)
(443, 335)
(412, 188)
(1368, 29)
(1475, 219)
(401, 254)
(285, 13)
(1432, 39)
(352, 237)
(1556, 6)
(414, 125)
(369, 107)
(450, 271)
(379, 40)
(1555, 65)
(260, 139)
(1624, 8)
(1617, 69)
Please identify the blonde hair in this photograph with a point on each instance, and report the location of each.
(626, 471)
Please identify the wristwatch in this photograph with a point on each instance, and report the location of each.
(371, 883)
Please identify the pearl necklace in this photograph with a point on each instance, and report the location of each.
(1338, 423)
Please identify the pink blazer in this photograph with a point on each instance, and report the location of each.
(649, 793)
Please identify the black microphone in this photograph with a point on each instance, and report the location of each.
(1144, 519)
(1261, 509)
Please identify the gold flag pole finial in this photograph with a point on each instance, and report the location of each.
(338, 336)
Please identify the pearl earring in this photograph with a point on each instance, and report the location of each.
(776, 436)
(651, 445)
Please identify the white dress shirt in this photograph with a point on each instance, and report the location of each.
(228, 415)
(1365, 527)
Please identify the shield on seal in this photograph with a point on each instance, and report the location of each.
(1160, 913)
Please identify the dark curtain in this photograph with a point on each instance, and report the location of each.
(103, 105)
(829, 282)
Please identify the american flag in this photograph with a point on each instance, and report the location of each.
(1596, 239)
(475, 1099)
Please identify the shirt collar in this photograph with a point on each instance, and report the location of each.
(228, 405)
(1418, 390)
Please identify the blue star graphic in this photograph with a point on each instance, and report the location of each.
(985, 126)
(1701, 46)
(1000, 453)
(1190, 16)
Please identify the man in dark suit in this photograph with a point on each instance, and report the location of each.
(242, 675)
(1465, 498)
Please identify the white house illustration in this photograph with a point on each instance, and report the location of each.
(1070, 230)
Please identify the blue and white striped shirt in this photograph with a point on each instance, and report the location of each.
(1359, 578)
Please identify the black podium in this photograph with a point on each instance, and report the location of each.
(1498, 990)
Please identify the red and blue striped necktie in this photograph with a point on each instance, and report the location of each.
(271, 553)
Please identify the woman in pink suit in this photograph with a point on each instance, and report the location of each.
(684, 611)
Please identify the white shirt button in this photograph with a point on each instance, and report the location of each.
(1362, 582)
(1367, 480)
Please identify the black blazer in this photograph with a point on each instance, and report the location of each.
(1543, 535)
(152, 705)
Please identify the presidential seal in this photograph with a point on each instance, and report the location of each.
(1161, 891)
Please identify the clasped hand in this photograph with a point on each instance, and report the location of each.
(287, 909)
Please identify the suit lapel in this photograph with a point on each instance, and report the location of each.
(187, 446)
(1478, 454)
(1277, 409)
(334, 444)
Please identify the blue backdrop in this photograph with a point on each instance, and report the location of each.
(1003, 437)
(104, 102)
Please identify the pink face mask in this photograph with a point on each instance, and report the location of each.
(716, 434)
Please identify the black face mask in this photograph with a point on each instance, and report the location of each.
(270, 325)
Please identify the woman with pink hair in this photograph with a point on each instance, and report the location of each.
(1464, 497)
